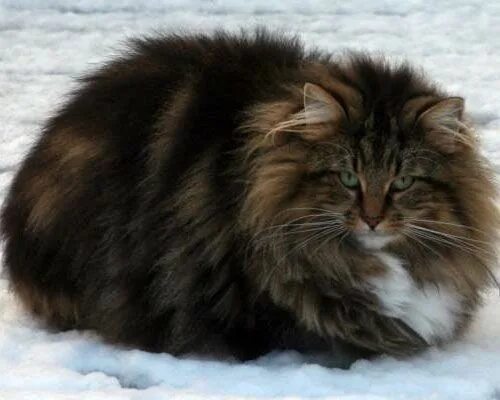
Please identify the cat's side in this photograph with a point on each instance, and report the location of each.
(237, 194)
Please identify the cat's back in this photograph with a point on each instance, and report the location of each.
(190, 89)
(77, 210)
(149, 74)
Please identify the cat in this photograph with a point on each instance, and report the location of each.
(233, 194)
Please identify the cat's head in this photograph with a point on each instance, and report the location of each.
(383, 173)
(371, 156)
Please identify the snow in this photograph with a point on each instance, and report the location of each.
(45, 44)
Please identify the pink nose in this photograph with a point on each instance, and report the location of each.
(372, 222)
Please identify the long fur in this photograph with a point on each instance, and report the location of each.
(158, 206)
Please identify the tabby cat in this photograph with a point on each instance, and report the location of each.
(234, 194)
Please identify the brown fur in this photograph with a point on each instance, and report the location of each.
(189, 198)
(58, 310)
(67, 152)
(278, 194)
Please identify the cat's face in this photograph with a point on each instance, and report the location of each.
(378, 187)
(366, 177)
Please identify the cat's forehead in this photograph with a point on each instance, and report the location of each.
(376, 152)
(377, 142)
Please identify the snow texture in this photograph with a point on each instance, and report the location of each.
(45, 44)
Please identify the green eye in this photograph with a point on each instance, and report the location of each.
(349, 179)
(403, 182)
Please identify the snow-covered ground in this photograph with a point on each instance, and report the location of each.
(45, 44)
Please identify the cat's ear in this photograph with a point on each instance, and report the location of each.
(320, 106)
(444, 125)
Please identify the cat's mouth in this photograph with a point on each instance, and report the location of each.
(374, 240)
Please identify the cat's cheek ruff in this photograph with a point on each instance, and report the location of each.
(432, 311)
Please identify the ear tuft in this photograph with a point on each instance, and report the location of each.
(447, 114)
(320, 106)
(444, 125)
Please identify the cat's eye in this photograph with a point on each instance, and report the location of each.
(349, 179)
(403, 182)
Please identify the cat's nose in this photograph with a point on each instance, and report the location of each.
(372, 222)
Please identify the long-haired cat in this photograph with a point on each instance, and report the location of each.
(237, 194)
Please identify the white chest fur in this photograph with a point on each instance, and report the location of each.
(430, 310)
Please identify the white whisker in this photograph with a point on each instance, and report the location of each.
(475, 251)
(444, 223)
(415, 238)
(460, 239)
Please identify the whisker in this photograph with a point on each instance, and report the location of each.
(297, 231)
(324, 212)
(444, 223)
(316, 237)
(446, 243)
(320, 223)
(328, 239)
(307, 240)
(415, 238)
(311, 208)
(343, 237)
(278, 263)
(312, 216)
(460, 239)
(443, 240)
(424, 235)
